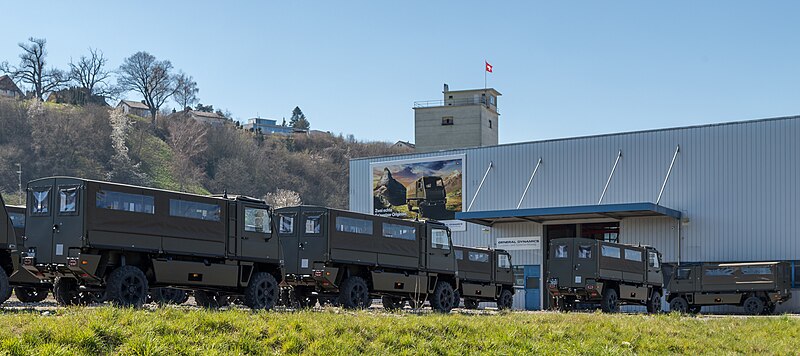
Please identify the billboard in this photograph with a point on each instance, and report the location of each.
(427, 188)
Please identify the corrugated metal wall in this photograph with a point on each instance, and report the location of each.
(736, 184)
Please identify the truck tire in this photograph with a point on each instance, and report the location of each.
(695, 309)
(165, 296)
(442, 298)
(753, 305)
(506, 300)
(5, 287)
(654, 303)
(354, 293)
(679, 305)
(262, 291)
(127, 287)
(210, 300)
(471, 303)
(456, 298)
(31, 294)
(769, 309)
(391, 303)
(610, 302)
(65, 292)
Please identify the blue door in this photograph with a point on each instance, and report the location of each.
(532, 293)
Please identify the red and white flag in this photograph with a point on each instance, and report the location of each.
(488, 67)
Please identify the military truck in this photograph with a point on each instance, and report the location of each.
(9, 257)
(26, 286)
(352, 257)
(485, 275)
(429, 198)
(758, 287)
(121, 240)
(581, 270)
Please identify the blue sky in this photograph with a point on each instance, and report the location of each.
(565, 68)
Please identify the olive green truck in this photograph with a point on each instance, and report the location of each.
(350, 258)
(485, 276)
(27, 287)
(758, 287)
(92, 237)
(588, 271)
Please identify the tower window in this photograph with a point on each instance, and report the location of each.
(447, 120)
(490, 124)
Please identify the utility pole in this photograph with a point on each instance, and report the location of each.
(19, 181)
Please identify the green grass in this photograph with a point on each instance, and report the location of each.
(172, 331)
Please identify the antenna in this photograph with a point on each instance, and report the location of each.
(225, 193)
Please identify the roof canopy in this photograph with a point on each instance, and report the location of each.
(540, 215)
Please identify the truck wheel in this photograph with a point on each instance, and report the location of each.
(166, 295)
(354, 293)
(5, 287)
(65, 291)
(679, 305)
(261, 292)
(695, 309)
(442, 298)
(654, 303)
(31, 294)
(753, 305)
(391, 303)
(506, 300)
(769, 309)
(210, 300)
(610, 302)
(456, 298)
(127, 287)
(471, 303)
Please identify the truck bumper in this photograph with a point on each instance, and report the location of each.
(321, 277)
(83, 267)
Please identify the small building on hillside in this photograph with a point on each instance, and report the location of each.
(205, 117)
(267, 126)
(134, 108)
(404, 144)
(10, 89)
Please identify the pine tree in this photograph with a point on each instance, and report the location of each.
(298, 119)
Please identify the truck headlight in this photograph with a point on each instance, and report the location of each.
(553, 281)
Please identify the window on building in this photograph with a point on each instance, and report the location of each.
(135, 203)
(561, 251)
(440, 239)
(492, 99)
(17, 219)
(353, 226)
(503, 261)
(610, 251)
(519, 276)
(194, 210)
(68, 201)
(286, 223)
(396, 231)
(490, 124)
(257, 220)
(585, 251)
(447, 120)
(313, 224)
(40, 204)
(633, 255)
(478, 256)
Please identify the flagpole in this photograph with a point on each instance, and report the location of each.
(484, 74)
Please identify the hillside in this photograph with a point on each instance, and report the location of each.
(178, 154)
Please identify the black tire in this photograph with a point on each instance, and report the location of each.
(753, 305)
(654, 303)
(65, 292)
(506, 300)
(31, 294)
(471, 303)
(5, 287)
(442, 298)
(392, 303)
(456, 298)
(165, 296)
(127, 287)
(262, 292)
(695, 309)
(210, 300)
(679, 305)
(769, 309)
(354, 294)
(610, 302)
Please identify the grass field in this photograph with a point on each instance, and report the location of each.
(171, 331)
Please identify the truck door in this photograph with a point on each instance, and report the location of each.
(255, 231)
(584, 261)
(286, 222)
(683, 279)
(55, 221)
(311, 244)
(559, 262)
(438, 248)
(502, 271)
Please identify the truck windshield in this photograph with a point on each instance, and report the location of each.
(653, 259)
(17, 219)
(440, 239)
(256, 220)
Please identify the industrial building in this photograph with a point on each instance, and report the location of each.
(719, 192)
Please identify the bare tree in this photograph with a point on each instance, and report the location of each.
(185, 91)
(187, 138)
(32, 68)
(282, 198)
(90, 74)
(142, 73)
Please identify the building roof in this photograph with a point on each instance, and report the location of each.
(6, 83)
(487, 90)
(210, 115)
(540, 215)
(405, 143)
(134, 104)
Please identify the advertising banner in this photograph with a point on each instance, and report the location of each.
(428, 188)
(519, 243)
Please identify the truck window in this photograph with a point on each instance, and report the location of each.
(194, 210)
(459, 255)
(135, 203)
(721, 271)
(353, 226)
(683, 273)
(478, 256)
(561, 251)
(313, 223)
(440, 239)
(68, 201)
(399, 231)
(633, 255)
(757, 270)
(40, 204)
(610, 251)
(503, 261)
(652, 258)
(17, 219)
(585, 251)
(286, 223)
(257, 220)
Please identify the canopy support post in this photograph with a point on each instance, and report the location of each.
(610, 175)
(529, 182)
(491, 164)
(669, 171)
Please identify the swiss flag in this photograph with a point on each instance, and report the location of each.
(488, 67)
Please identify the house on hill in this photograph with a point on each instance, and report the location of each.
(267, 126)
(210, 118)
(10, 89)
(134, 108)
(404, 144)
